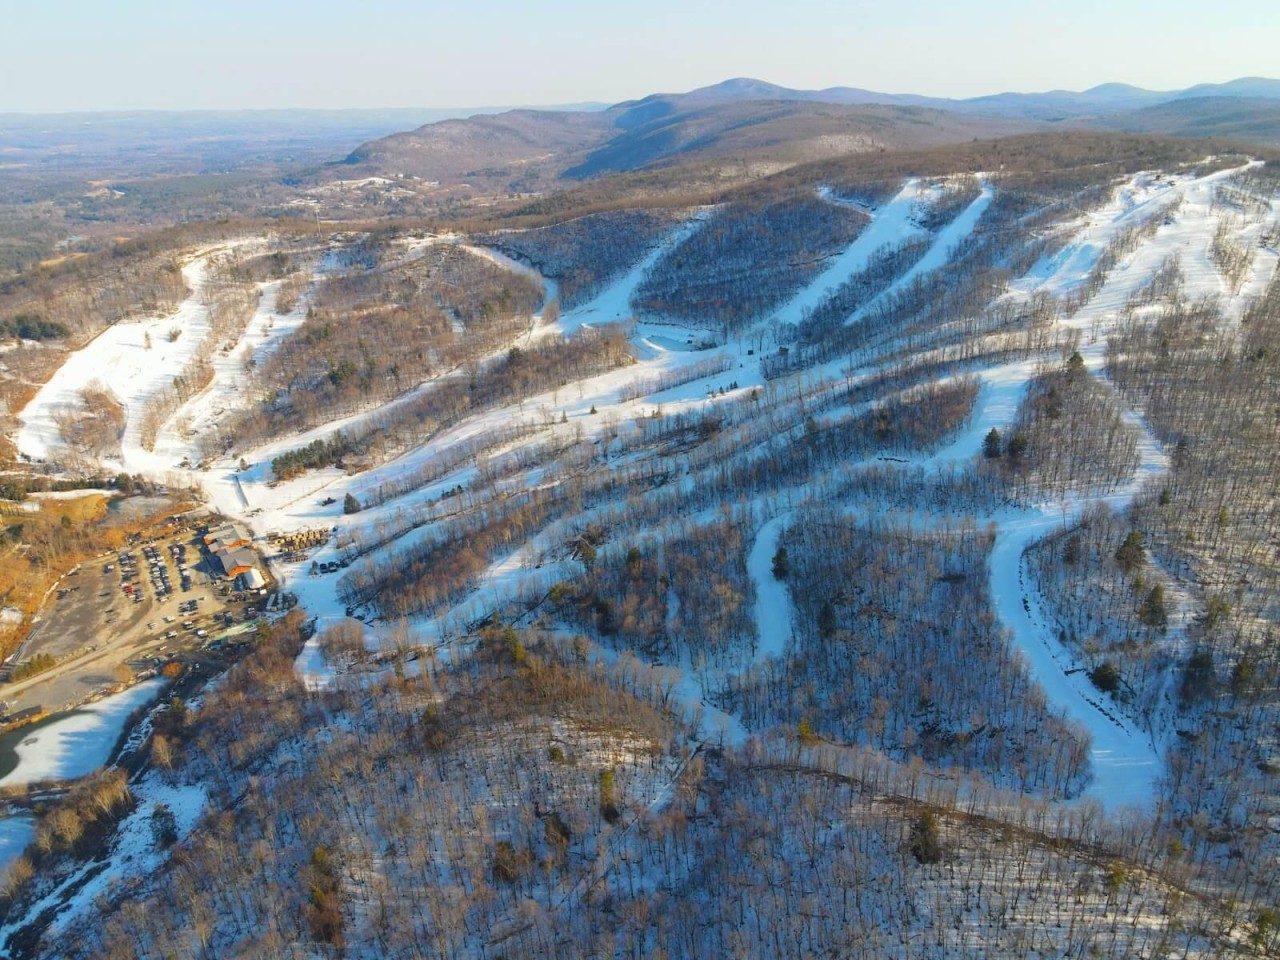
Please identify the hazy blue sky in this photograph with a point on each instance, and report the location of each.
(133, 54)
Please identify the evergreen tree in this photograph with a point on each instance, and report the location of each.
(925, 842)
(1199, 676)
(1071, 550)
(805, 732)
(781, 565)
(610, 807)
(350, 504)
(1075, 366)
(1243, 676)
(1216, 612)
(827, 621)
(1152, 612)
(991, 444)
(1130, 554)
(1105, 677)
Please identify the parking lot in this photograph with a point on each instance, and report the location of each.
(129, 613)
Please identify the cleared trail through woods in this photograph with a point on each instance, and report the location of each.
(1126, 759)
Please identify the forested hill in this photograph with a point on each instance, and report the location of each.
(532, 149)
(751, 120)
(868, 556)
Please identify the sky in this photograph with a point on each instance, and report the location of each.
(71, 55)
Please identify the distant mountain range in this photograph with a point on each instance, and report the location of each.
(527, 150)
(1053, 105)
(756, 123)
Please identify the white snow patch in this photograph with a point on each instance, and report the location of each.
(134, 851)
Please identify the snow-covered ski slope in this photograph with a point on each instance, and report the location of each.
(940, 249)
(892, 223)
(135, 361)
(1126, 759)
(613, 304)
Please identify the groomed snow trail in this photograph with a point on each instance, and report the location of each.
(890, 224)
(226, 390)
(613, 303)
(1126, 759)
(773, 603)
(134, 360)
(939, 251)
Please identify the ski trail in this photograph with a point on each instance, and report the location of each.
(939, 254)
(175, 439)
(773, 604)
(613, 303)
(939, 251)
(1126, 760)
(890, 224)
(135, 361)
(549, 287)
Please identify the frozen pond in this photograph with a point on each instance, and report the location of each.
(76, 743)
